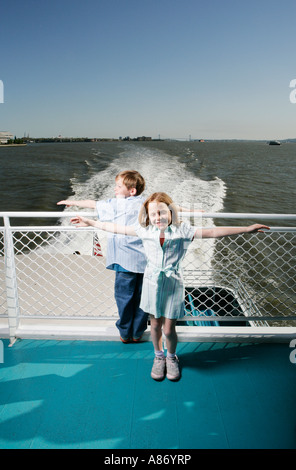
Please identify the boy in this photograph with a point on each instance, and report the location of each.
(125, 255)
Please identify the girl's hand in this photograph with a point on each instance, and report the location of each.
(79, 221)
(258, 228)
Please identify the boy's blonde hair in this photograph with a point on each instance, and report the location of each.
(132, 179)
(158, 197)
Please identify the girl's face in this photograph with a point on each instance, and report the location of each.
(159, 215)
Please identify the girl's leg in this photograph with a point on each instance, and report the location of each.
(156, 332)
(172, 366)
(171, 363)
(159, 363)
(169, 329)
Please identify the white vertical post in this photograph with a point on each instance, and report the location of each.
(1, 352)
(1, 92)
(11, 282)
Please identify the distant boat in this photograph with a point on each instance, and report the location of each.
(274, 142)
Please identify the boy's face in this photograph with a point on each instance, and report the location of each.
(120, 188)
(159, 215)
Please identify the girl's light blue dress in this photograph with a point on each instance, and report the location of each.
(163, 287)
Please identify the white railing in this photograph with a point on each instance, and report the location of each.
(54, 273)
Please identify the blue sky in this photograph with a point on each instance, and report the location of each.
(109, 68)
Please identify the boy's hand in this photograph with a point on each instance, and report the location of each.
(67, 203)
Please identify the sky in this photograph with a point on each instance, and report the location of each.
(209, 69)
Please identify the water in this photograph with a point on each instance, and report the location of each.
(248, 177)
(233, 177)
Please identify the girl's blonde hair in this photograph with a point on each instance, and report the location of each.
(158, 197)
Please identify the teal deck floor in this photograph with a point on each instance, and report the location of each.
(80, 394)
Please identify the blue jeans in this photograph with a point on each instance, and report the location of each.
(132, 320)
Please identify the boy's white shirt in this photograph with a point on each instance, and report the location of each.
(127, 251)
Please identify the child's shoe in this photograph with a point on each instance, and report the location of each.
(172, 366)
(125, 340)
(137, 340)
(158, 369)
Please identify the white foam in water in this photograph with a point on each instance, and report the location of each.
(162, 172)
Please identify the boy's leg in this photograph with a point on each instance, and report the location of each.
(140, 317)
(125, 286)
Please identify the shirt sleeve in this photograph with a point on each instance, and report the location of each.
(188, 231)
(140, 231)
(105, 210)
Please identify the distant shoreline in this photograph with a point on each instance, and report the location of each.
(12, 145)
(146, 140)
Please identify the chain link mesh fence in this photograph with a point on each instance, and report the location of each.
(61, 273)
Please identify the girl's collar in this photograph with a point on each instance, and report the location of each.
(170, 228)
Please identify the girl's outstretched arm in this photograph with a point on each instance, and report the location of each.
(106, 226)
(217, 232)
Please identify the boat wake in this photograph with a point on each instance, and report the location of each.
(162, 172)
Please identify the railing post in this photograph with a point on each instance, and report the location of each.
(11, 282)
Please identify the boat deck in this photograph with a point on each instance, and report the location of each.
(90, 394)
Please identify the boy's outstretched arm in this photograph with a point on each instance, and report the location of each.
(217, 232)
(106, 226)
(87, 204)
(185, 209)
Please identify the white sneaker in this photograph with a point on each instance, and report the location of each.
(158, 369)
(172, 366)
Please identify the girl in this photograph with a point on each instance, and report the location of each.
(165, 241)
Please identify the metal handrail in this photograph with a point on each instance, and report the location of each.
(198, 215)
